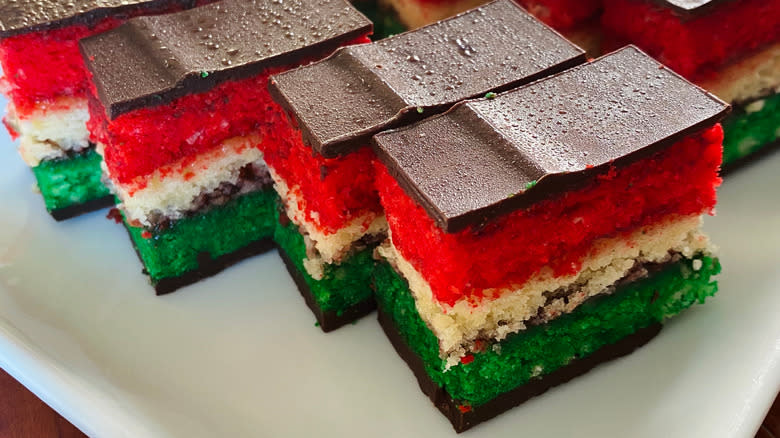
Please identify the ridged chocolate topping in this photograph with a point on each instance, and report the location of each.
(487, 157)
(341, 101)
(22, 16)
(153, 60)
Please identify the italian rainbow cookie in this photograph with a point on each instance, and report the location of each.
(321, 161)
(179, 111)
(731, 48)
(46, 82)
(539, 233)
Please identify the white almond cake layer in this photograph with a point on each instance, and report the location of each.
(52, 130)
(509, 309)
(172, 190)
(324, 247)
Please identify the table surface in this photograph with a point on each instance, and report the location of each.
(23, 415)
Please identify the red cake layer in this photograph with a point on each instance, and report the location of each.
(556, 232)
(335, 190)
(560, 14)
(41, 66)
(697, 47)
(140, 141)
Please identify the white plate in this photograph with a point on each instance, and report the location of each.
(239, 355)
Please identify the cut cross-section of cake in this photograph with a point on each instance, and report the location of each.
(179, 110)
(47, 86)
(731, 48)
(321, 161)
(538, 233)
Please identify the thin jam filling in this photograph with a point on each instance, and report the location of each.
(557, 232)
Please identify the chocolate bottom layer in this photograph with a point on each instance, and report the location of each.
(464, 419)
(211, 266)
(70, 211)
(328, 320)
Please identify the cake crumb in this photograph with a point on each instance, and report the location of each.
(697, 264)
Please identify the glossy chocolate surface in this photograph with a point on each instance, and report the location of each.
(487, 157)
(153, 60)
(22, 16)
(341, 101)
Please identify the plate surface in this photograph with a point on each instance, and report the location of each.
(239, 355)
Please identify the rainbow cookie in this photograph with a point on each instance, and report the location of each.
(179, 111)
(546, 230)
(321, 161)
(47, 85)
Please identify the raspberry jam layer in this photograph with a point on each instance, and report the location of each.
(698, 47)
(41, 66)
(335, 190)
(140, 141)
(557, 232)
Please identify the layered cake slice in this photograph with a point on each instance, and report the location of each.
(539, 233)
(321, 160)
(576, 19)
(181, 106)
(46, 83)
(731, 48)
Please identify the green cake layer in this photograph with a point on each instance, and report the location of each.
(542, 349)
(69, 182)
(193, 242)
(751, 127)
(343, 286)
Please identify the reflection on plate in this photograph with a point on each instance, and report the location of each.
(239, 355)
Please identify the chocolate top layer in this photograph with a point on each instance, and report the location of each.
(487, 157)
(341, 101)
(153, 60)
(22, 16)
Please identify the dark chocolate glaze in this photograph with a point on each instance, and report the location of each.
(486, 157)
(22, 16)
(153, 60)
(70, 211)
(341, 101)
